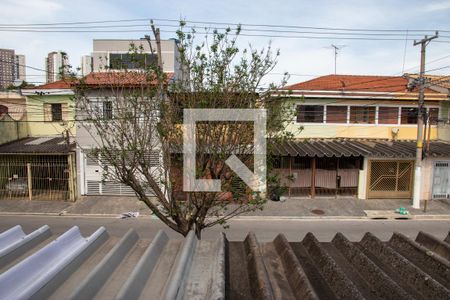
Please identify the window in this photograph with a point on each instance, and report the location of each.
(301, 163)
(388, 115)
(310, 113)
(433, 115)
(362, 114)
(3, 109)
(56, 112)
(119, 61)
(336, 114)
(409, 115)
(107, 110)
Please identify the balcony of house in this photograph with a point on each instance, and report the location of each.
(383, 121)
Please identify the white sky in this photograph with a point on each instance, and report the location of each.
(298, 56)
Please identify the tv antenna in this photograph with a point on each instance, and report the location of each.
(336, 49)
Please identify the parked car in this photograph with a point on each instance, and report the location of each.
(17, 186)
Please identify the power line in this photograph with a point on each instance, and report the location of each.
(211, 33)
(223, 23)
(12, 28)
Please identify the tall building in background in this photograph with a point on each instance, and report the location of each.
(56, 66)
(86, 65)
(19, 67)
(12, 67)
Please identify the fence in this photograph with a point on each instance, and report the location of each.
(326, 176)
(37, 177)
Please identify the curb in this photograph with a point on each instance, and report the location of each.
(242, 218)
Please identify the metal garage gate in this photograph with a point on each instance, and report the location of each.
(441, 180)
(96, 184)
(390, 179)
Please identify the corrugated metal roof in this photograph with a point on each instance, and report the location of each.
(356, 147)
(99, 266)
(36, 145)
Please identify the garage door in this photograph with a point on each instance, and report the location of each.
(390, 179)
(96, 185)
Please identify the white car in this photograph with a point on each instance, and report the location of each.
(18, 185)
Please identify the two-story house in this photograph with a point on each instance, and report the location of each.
(356, 136)
(111, 62)
(39, 163)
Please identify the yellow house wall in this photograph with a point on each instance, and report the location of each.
(37, 126)
(380, 131)
(355, 131)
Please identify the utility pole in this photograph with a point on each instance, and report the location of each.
(420, 120)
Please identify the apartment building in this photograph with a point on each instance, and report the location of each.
(12, 67)
(86, 65)
(56, 66)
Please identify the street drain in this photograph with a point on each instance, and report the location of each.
(378, 218)
(318, 211)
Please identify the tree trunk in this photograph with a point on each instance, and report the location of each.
(198, 231)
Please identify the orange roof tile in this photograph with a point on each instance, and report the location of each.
(354, 83)
(130, 78)
(439, 80)
(104, 79)
(60, 84)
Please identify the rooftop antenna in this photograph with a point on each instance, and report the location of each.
(336, 52)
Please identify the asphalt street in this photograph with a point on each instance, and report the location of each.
(264, 229)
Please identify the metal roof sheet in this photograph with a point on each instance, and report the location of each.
(105, 267)
(37, 145)
(357, 147)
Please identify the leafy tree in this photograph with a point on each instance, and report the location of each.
(140, 135)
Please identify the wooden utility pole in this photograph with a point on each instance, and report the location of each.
(420, 120)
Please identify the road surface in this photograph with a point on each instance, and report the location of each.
(265, 230)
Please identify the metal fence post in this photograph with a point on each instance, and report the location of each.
(30, 194)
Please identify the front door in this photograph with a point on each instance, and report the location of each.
(441, 180)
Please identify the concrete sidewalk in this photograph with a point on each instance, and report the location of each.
(291, 208)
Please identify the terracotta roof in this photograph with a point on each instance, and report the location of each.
(60, 84)
(439, 80)
(130, 78)
(120, 78)
(354, 83)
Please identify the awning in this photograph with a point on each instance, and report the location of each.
(37, 145)
(357, 147)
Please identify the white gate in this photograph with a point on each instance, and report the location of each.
(441, 180)
(95, 183)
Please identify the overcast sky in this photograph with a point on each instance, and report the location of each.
(298, 56)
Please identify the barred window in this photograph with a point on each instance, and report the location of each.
(362, 114)
(336, 114)
(409, 115)
(388, 115)
(310, 113)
